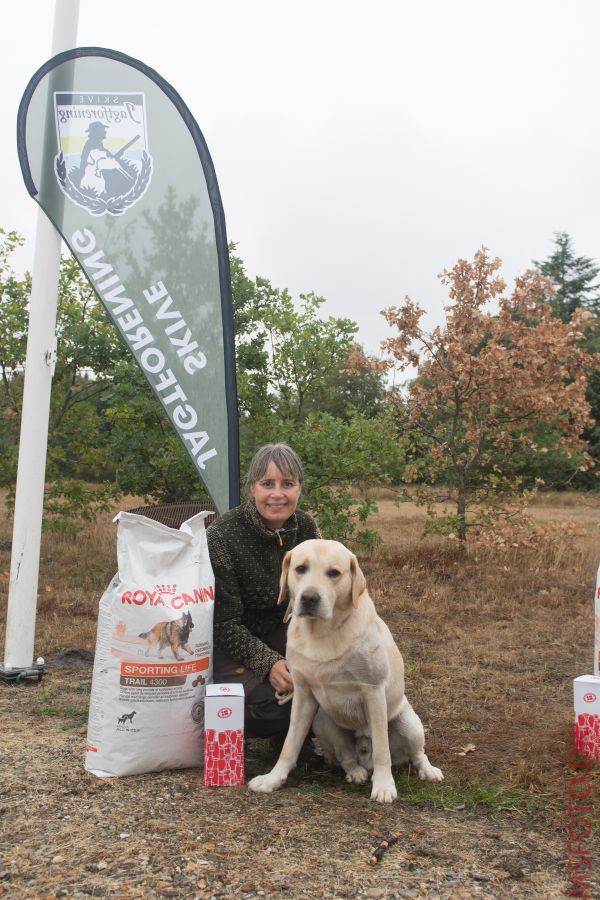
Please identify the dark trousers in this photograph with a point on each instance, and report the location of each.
(264, 716)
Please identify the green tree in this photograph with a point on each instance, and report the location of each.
(304, 351)
(106, 426)
(357, 388)
(14, 294)
(574, 279)
(342, 459)
(87, 349)
(292, 361)
(146, 453)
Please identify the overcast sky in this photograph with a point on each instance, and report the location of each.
(361, 147)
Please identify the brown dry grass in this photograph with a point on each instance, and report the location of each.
(491, 639)
(74, 570)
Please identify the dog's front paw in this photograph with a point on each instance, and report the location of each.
(356, 774)
(384, 789)
(427, 772)
(266, 784)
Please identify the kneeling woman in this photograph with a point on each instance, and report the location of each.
(247, 546)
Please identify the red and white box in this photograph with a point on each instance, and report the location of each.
(224, 735)
(597, 625)
(586, 691)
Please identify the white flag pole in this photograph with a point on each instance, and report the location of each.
(39, 368)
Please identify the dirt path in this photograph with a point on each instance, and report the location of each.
(65, 833)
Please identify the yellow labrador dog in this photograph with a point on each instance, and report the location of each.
(348, 675)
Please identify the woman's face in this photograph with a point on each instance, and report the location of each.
(276, 496)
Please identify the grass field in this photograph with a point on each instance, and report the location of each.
(492, 639)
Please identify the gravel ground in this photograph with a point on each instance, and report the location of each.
(64, 833)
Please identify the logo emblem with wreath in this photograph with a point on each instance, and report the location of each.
(103, 164)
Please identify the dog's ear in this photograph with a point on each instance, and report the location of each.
(288, 612)
(359, 583)
(285, 568)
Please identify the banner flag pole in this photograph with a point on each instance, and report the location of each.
(39, 368)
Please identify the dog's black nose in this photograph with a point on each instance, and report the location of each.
(309, 601)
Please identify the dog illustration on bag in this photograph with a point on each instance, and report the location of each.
(127, 717)
(174, 634)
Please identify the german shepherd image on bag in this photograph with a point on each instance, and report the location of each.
(173, 634)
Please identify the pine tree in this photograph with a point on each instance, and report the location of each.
(574, 278)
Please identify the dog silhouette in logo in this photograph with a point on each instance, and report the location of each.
(127, 717)
(173, 634)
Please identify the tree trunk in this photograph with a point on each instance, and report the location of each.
(461, 511)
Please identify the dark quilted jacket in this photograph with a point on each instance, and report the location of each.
(246, 557)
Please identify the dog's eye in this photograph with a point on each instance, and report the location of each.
(333, 573)
(301, 569)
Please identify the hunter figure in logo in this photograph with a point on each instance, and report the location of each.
(104, 173)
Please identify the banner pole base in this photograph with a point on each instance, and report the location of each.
(23, 674)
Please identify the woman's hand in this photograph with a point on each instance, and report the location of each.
(280, 677)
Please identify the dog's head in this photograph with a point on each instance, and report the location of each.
(186, 621)
(322, 577)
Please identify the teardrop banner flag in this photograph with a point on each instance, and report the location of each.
(115, 159)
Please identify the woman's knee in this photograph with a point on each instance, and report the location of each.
(265, 717)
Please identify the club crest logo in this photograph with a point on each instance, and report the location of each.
(103, 164)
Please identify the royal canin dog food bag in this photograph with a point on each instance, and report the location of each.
(154, 651)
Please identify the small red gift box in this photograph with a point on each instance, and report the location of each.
(224, 735)
(586, 691)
